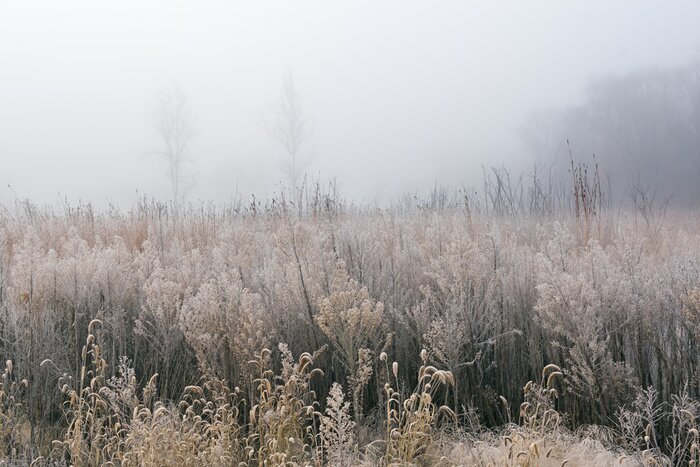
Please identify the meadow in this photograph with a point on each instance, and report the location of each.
(499, 330)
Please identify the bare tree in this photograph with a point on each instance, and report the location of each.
(290, 127)
(173, 123)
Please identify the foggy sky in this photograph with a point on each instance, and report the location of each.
(402, 93)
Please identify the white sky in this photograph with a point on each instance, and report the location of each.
(403, 93)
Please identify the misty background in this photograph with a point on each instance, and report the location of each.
(400, 94)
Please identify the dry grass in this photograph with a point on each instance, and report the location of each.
(154, 328)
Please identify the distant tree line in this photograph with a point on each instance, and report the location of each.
(643, 127)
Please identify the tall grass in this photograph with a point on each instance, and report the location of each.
(430, 318)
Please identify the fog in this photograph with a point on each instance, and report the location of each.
(400, 94)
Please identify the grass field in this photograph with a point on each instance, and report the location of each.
(439, 332)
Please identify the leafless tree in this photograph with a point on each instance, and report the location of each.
(291, 127)
(173, 123)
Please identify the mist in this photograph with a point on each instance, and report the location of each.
(399, 95)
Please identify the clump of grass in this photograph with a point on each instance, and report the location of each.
(113, 422)
(639, 425)
(410, 420)
(14, 439)
(92, 436)
(282, 422)
(202, 429)
(538, 412)
(540, 440)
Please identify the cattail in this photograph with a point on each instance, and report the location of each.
(395, 369)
